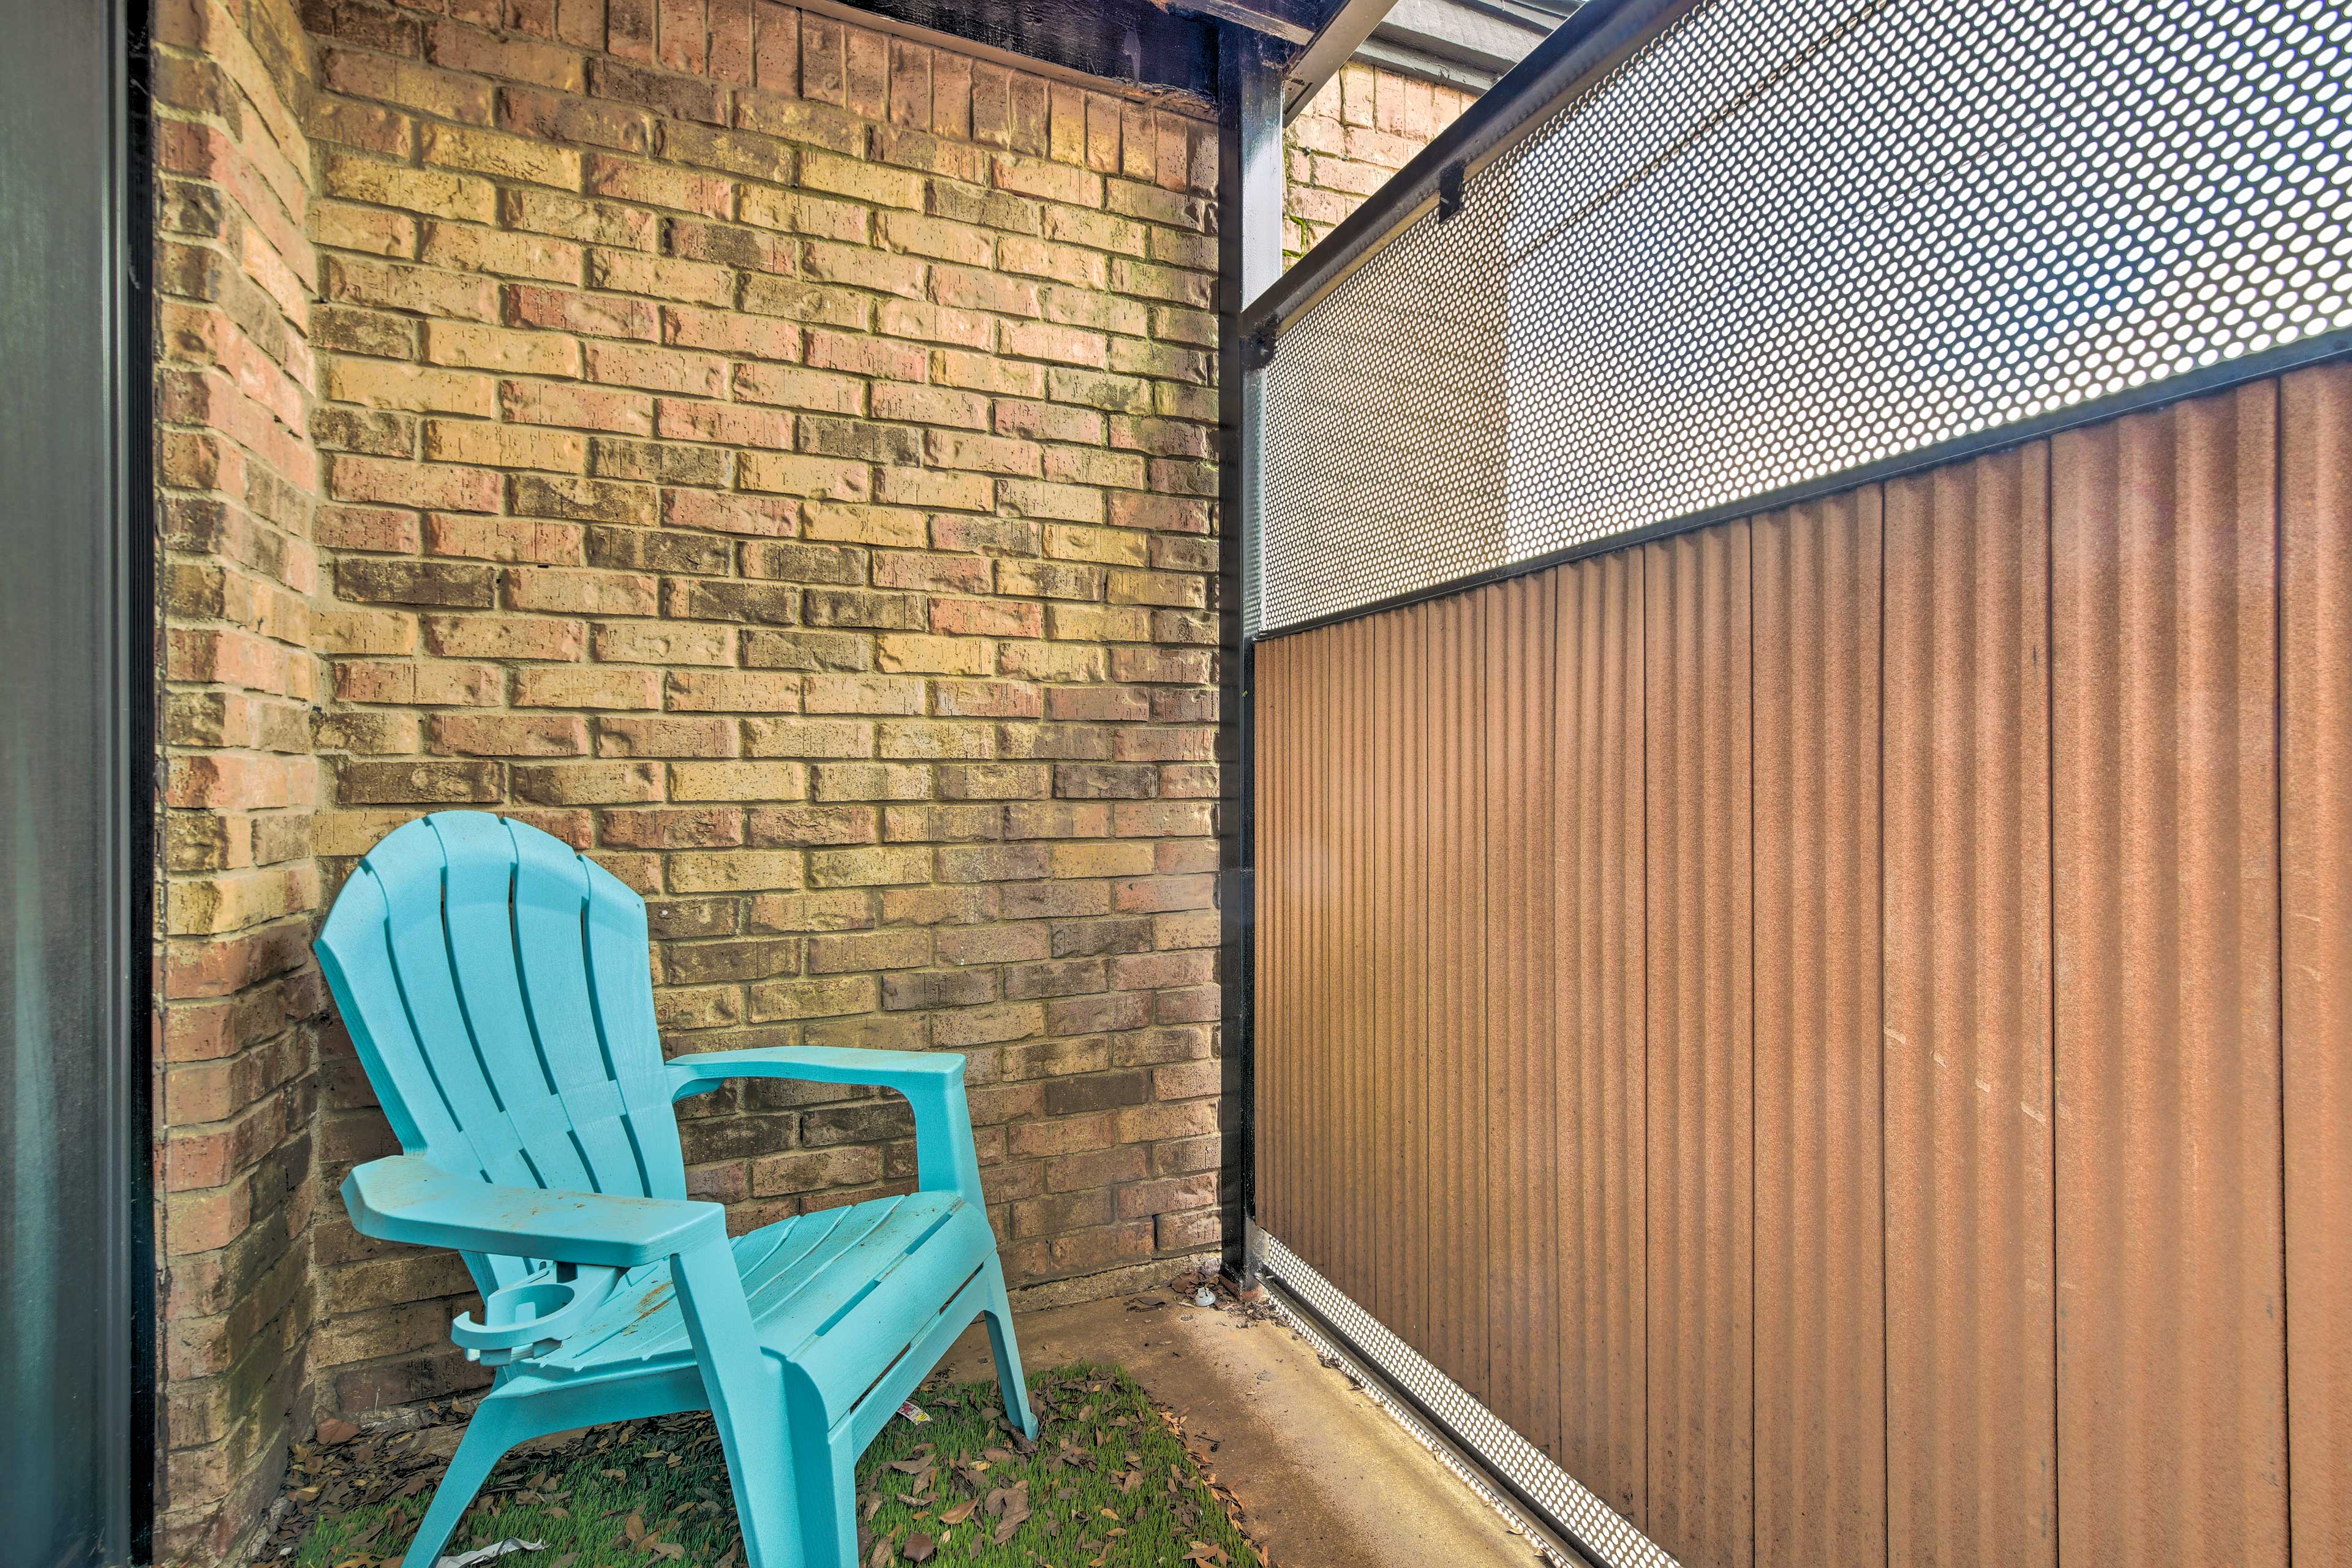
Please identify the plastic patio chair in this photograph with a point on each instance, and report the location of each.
(496, 984)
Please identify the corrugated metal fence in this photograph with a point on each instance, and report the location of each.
(1838, 1026)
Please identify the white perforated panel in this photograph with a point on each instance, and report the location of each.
(1786, 239)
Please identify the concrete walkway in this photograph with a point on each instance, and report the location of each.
(1326, 1478)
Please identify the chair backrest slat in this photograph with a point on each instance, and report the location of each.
(478, 911)
(622, 984)
(555, 892)
(496, 984)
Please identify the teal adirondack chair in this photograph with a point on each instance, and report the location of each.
(496, 984)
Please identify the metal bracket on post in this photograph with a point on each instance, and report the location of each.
(1449, 190)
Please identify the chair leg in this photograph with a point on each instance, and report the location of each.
(828, 1497)
(492, 1431)
(998, 1311)
(747, 1402)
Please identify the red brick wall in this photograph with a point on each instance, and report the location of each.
(1364, 126)
(238, 478)
(774, 456)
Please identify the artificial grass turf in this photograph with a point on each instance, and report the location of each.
(1109, 1484)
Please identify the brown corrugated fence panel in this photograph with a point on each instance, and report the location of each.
(2171, 1352)
(1972, 1381)
(1821, 1438)
(1465, 1351)
(1598, 765)
(1832, 1025)
(1700, 1040)
(1524, 1190)
(2316, 695)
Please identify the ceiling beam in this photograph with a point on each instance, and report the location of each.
(1292, 21)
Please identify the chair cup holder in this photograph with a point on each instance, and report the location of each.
(535, 1314)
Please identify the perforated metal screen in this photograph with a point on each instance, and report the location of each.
(1785, 240)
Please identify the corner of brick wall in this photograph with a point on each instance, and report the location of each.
(1363, 127)
(777, 457)
(773, 456)
(237, 484)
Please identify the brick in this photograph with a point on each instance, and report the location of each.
(682, 97)
(758, 603)
(652, 184)
(587, 784)
(463, 48)
(672, 827)
(866, 356)
(663, 642)
(553, 117)
(656, 370)
(857, 267)
(503, 445)
(477, 347)
(508, 735)
(396, 286)
(749, 153)
(791, 386)
(713, 512)
(806, 1171)
(415, 782)
(587, 407)
(503, 539)
(799, 563)
(591, 686)
(429, 192)
(406, 84)
(663, 278)
(596, 315)
(589, 222)
(350, 330)
(499, 155)
(868, 867)
(562, 591)
(386, 581)
(686, 738)
(730, 332)
(582, 499)
(807, 738)
(731, 691)
(738, 781)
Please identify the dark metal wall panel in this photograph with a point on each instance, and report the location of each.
(1700, 1038)
(1972, 1464)
(1821, 1436)
(2315, 857)
(77, 1277)
(2171, 1350)
(1598, 947)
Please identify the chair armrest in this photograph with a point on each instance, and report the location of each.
(932, 1082)
(706, 1070)
(409, 1198)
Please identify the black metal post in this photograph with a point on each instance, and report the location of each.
(1249, 196)
(77, 742)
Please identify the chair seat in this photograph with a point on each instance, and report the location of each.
(810, 1282)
